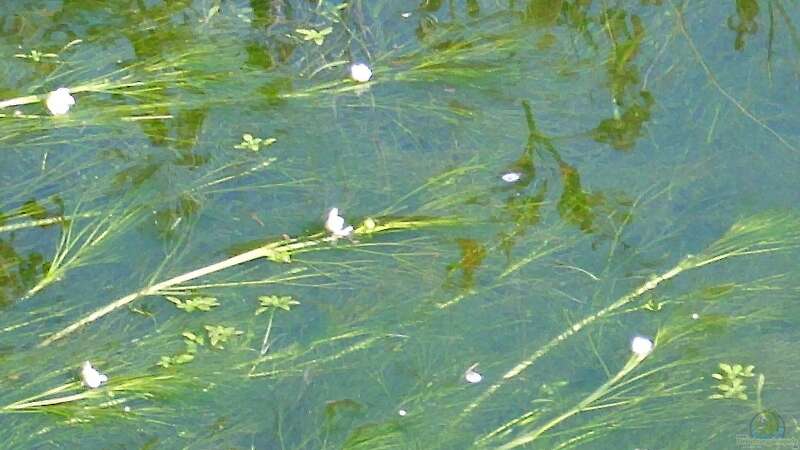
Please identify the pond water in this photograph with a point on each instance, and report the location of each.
(574, 224)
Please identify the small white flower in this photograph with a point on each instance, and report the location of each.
(472, 376)
(360, 72)
(91, 377)
(59, 102)
(641, 345)
(335, 224)
(511, 177)
(695, 316)
(402, 412)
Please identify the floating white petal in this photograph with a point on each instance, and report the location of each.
(59, 102)
(641, 345)
(335, 224)
(472, 376)
(360, 72)
(91, 377)
(511, 177)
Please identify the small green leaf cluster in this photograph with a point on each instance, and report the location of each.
(268, 302)
(193, 342)
(254, 144)
(217, 335)
(313, 35)
(731, 381)
(194, 304)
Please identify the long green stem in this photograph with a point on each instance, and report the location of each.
(687, 263)
(760, 234)
(276, 251)
(47, 402)
(632, 363)
(45, 222)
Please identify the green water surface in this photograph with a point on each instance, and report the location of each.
(532, 183)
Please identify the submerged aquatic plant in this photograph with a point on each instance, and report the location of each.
(731, 381)
(540, 263)
(764, 233)
(318, 36)
(197, 303)
(271, 302)
(254, 144)
(80, 247)
(279, 251)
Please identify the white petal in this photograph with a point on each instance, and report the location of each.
(334, 223)
(59, 102)
(511, 177)
(641, 345)
(473, 377)
(360, 72)
(91, 377)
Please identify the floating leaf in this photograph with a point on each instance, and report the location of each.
(731, 381)
(273, 301)
(194, 303)
(193, 338)
(168, 361)
(254, 144)
(313, 35)
(218, 334)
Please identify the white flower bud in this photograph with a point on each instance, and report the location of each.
(335, 224)
(360, 72)
(91, 377)
(511, 177)
(472, 376)
(641, 345)
(59, 102)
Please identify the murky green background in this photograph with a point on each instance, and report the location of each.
(642, 132)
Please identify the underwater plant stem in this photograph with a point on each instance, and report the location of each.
(19, 101)
(154, 289)
(679, 19)
(265, 343)
(48, 402)
(46, 222)
(51, 277)
(632, 363)
(47, 393)
(686, 263)
(276, 251)
(760, 234)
